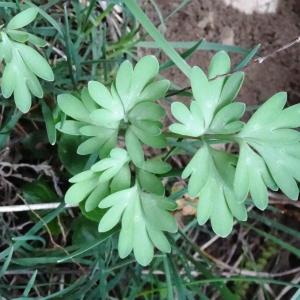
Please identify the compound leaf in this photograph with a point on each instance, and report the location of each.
(270, 133)
(212, 111)
(211, 179)
(140, 230)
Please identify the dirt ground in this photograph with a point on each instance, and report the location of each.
(214, 21)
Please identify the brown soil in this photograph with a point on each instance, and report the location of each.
(214, 21)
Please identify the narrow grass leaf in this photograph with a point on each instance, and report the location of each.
(157, 36)
(49, 122)
(30, 284)
(7, 261)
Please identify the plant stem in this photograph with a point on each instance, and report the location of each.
(221, 137)
(158, 37)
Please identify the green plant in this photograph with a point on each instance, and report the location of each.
(129, 105)
(221, 180)
(130, 166)
(23, 64)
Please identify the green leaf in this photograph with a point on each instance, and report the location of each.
(18, 35)
(231, 88)
(213, 184)
(7, 261)
(7, 47)
(94, 215)
(22, 95)
(87, 100)
(49, 121)
(140, 78)
(35, 62)
(38, 191)
(93, 200)
(150, 183)
(154, 91)
(270, 133)
(134, 148)
(73, 107)
(105, 118)
(91, 145)
(23, 18)
(67, 146)
(192, 120)
(85, 110)
(156, 166)
(219, 64)
(150, 128)
(30, 284)
(84, 231)
(124, 78)
(8, 83)
(121, 180)
(127, 105)
(1, 52)
(70, 127)
(110, 101)
(109, 174)
(112, 165)
(226, 120)
(79, 191)
(82, 176)
(156, 141)
(103, 140)
(212, 111)
(22, 64)
(109, 144)
(159, 218)
(140, 230)
(252, 175)
(146, 111)
(134, 85)
(35, 40)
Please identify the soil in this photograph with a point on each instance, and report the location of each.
(214, 21)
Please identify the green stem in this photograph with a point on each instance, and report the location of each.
(169, 153)
(221, 137)
(171, 134)
(158, 37)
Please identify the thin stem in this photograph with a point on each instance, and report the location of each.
(31, 207)
(221, 137)
(168, 154)
(158, 37)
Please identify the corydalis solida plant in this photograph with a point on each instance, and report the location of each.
(128, 187)
(22, 63)
(125, 185)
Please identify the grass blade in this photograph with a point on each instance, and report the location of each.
(49, 121)
(178, 8)
(274, 224)
(276, 240)
(89, 247)
(30, 284)
(47, 17)
(7, 261)
(168, 277)
(247, 59)
(157, 36)
(184, 55)
(205, 45)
